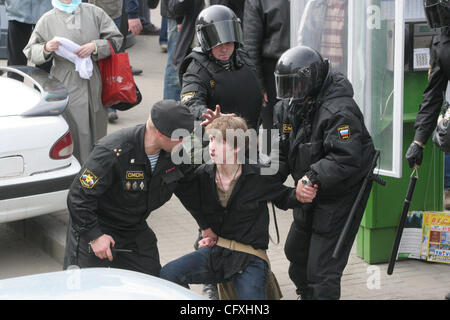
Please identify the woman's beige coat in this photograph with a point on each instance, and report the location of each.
(86, 115)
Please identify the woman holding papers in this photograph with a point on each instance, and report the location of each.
(86, 30)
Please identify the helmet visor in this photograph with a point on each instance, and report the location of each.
(291, 86)
(214, 34)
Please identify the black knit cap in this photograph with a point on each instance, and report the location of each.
(170, 115)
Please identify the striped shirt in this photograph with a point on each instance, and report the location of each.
(153, 158)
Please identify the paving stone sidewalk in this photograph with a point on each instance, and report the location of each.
(176, 231)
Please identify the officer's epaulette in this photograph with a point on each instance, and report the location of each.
(194, 68)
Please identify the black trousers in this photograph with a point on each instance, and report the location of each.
(123, 28)
(267, 108)
(18, 35)
(310, 244)
(144, 258)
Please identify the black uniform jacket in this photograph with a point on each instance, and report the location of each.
(266, 30)
(326, 140)
(188, 10)
(245, 219)
(206, 84)
(434, 93)
(116, 189)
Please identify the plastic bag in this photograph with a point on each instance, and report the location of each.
(117, 79)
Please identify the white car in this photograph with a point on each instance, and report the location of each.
(36, 162)
(95, 284)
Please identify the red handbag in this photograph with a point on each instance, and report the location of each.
(117, 79)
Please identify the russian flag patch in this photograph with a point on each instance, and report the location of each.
(344, 132)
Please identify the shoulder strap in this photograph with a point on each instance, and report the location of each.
(203, 62)
(200, 58)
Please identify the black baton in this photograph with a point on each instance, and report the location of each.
(401, 226)
(114, 251)
(348, 223)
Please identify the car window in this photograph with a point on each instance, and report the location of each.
(16, 97)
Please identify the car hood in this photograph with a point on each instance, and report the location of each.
(93, 283)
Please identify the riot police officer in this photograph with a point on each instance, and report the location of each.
(327, 149)
(438, 16)
(219, 72)
(128, 174)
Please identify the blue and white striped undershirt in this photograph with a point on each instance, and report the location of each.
(153, 158)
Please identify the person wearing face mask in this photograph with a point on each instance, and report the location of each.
(327, 149)
(219, 71)
(91, 28)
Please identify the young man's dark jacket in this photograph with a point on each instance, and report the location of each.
(326, 140)
(206, 84)
(245, 219)
(116, 191)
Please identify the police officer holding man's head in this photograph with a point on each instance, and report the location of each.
(434, 107)
(219, 71)
(128, 174)
(327, 149)
(438, 16)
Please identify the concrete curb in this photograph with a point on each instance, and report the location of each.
(47, 231)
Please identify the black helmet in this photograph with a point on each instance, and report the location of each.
(300, 73)
(217, 24)
(437, 12)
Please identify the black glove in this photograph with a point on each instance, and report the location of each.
(414, 155)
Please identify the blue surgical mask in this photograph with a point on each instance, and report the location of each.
(66, 7)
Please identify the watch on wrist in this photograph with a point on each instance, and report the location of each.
(305, 181)
(313, 177)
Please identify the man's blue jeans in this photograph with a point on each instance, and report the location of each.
(194, 268)
(447, 172)
(163, 32)
(172, 88)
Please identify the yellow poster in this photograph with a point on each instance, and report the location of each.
(436, 236)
